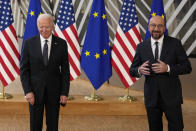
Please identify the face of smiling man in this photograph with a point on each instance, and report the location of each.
(156, 27)
(45, 25)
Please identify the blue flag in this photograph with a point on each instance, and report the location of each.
(95, 56)
(157, 9)
(31, 23)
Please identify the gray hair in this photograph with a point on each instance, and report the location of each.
(44, 16)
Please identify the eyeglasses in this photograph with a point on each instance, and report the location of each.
(158, 26)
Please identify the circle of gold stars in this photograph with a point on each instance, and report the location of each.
(96, 14)
(32, 13)
(97, 55)
(154, 14)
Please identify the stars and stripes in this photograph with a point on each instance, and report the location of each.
(9, 49)
(66, 29)
(126, 39)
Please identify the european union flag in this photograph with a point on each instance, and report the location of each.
(31, 23)
(95, 56)
(157, 9)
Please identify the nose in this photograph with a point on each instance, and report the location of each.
(44, 29)
(156, 27)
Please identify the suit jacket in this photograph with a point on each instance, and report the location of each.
(167, 84)
(53, 79)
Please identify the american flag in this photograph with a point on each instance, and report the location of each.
(66, 29)
(9, 49)
(126, 39)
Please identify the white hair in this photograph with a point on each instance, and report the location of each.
(45, 16)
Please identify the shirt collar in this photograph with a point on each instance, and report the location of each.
(43, 39)
(159, 40)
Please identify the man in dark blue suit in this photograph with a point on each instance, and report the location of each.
(45, 75)
(161, 59)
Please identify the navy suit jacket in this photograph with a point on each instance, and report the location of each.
(53, 79)
(167, 84)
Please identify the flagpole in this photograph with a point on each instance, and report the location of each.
(93, 97)
(93, 93)
(127, 97)
(4, 95)
(70, 98)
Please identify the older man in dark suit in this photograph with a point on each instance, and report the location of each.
(45, 75)
(161, 59)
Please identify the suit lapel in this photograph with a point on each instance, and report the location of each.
(38, 47)
(164, 49)
(53, 46)
(149, 49)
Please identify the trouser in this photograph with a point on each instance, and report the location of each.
(173, 115)
(36, 114)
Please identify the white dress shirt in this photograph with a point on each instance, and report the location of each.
(49, 44)
(160, 44)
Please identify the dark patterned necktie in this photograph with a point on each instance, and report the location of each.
(156, 51)
(45, 53)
